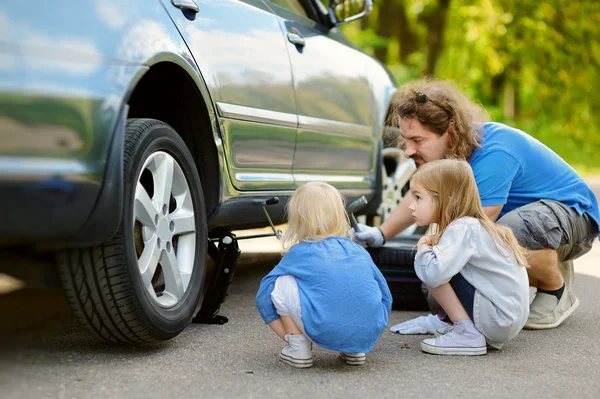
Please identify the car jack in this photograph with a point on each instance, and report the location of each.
(225, 256)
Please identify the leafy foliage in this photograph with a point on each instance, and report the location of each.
(534, 64)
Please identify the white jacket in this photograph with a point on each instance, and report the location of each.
(501, 304)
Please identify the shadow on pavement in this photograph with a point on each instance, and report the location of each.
(40, 317)
(43, 347)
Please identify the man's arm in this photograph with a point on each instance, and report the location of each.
(398, 220)
(492, 211)
(494, 183)
(401, 217)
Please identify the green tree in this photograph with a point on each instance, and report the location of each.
(533, 64)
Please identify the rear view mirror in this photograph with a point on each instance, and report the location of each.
(343, 11)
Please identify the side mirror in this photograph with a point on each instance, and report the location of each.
(342, 11)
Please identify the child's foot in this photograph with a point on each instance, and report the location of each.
(442, 330)
(297, 353)
(462, 339)
(353, 359)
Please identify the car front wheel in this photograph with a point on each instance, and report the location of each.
(143, 285)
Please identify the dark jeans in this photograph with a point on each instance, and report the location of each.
(465, 293)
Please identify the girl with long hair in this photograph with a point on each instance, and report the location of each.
(473, 267)
(326, 289)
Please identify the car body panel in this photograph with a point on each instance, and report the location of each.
(338, 133)
(68, 68)
(239, 48)
(63, 83)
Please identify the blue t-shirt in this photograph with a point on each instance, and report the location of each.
(345, 299)
(514, 169)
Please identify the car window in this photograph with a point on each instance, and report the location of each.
(293, 5)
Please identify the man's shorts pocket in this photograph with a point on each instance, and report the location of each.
(542, 226)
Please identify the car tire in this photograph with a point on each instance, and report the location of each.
(395, 260)
(144, 284)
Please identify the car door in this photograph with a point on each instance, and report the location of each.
(242, 56)
(336, 138)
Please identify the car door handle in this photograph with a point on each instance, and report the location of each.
(296, 39)
(189, 5)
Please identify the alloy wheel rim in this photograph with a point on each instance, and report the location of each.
(164, 229)
(391, 193)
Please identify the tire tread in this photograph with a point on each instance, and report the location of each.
(398, 261)
(96, 281)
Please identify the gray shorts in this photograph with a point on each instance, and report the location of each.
(551, 224)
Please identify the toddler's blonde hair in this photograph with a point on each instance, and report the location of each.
(315, 211)
(452, 185)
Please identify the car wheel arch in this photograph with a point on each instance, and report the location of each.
(173, 92)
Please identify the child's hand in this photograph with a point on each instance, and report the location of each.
(425, 240)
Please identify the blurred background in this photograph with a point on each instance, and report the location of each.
(534, 64)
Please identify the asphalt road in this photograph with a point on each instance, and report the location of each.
(45, 354)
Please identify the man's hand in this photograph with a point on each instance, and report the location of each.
(368, 236)
(425, 240)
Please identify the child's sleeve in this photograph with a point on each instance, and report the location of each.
(437, 265)
(263, 298)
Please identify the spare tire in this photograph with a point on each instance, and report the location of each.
(396, 260)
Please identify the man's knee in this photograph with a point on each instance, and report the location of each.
(571, 251)
(552, 225)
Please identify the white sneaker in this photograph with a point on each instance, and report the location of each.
(353, 359)
(297, 353)
(462, 339)
(546, 311)
(442, 330)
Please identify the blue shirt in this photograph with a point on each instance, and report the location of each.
(514, 169)
(345, 299)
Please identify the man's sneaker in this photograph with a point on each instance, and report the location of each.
(546, 311)
(462, 339)
(353, 359)
(567, 270)
(297, 352)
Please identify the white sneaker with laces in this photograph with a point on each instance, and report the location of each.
(462, 339)
(353, 359)
(297, 353)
